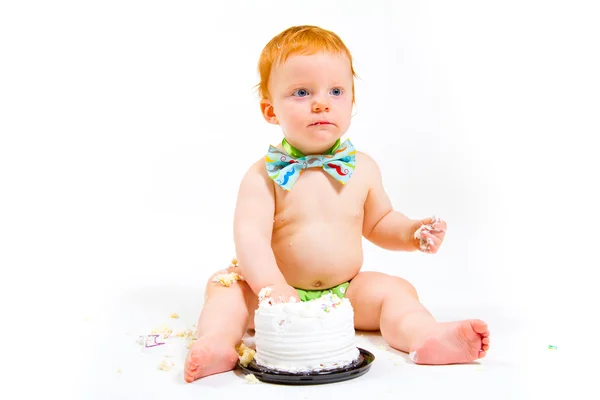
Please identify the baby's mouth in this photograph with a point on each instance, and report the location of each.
(319, 123)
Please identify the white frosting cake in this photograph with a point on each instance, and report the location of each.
(305, 336)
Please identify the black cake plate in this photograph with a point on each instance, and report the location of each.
(354, 370)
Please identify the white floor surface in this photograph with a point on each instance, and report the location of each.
(113, 366)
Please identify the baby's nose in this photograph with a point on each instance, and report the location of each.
(320, 106)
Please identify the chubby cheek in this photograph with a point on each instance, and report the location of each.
(292, 117)
(344, 116)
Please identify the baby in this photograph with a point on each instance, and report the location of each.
(302, 211)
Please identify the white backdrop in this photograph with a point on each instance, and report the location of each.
(114, 114)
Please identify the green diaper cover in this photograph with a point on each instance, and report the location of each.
(307, 295)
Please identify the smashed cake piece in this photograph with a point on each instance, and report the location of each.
(227, 279)
(245, 354)
(250, 378)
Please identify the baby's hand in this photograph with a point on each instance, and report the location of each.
(431, 233)
(278, 293)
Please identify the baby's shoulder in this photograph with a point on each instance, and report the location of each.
(366, 162)
(259, 167)
(364, 157)
(257, 172)
(256, 186)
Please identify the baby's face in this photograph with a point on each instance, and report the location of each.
(311, 99)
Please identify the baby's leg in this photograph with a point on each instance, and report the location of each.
(391, 305)
(227, 313)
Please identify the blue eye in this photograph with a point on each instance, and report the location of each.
(300, 93)
(336, 91)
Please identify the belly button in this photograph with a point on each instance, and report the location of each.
(317, 284)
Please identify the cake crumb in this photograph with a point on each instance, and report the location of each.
(433, 227)
(166, 365)
(119, 371)
(250, 378)
(187, 334)
(227, 279)
(174, 315)
(163, 329)
(412, 355)
(264, 295)
(245, 354)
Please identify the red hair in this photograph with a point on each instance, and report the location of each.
(298, 40)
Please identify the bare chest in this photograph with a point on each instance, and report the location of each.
(317, 197)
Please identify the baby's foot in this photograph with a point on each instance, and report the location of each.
(452, 343)
(208, 357)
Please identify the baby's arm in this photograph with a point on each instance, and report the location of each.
(382, 225)
(252, 229)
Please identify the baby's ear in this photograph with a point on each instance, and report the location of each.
(268, 112)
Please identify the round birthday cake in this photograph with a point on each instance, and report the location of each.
(300, 337)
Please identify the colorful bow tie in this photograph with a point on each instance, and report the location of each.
(285, 168)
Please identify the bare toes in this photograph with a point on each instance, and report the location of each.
(482, 354)
(189, 366)
(479, 326)
(485, 340)
(485, 347)
(188, 375)
(189, 369)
